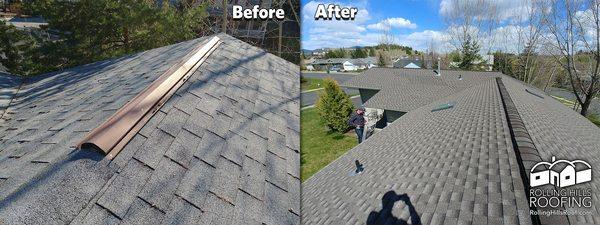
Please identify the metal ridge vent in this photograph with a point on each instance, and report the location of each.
(112, 135)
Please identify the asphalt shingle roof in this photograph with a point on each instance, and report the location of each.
(407, 89)
(559, 131)
(453, 166)
(222, 150)
(9, 85)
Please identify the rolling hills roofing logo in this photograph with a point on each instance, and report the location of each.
(560, 173)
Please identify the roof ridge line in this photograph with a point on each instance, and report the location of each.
(112, 135)
(516, 124)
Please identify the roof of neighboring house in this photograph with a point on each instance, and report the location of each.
(365, 61)
(331, 61)
(402, 63)
(412, 66)
(358, 61)
(224, 149)
(407, 89)
(459, 165)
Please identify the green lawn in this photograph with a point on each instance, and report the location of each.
(564, 101)
(592, 117)
(311, 83)
(319, 146)
(595, 119)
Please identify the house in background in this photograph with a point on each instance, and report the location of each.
(344, 64)
(408, 63)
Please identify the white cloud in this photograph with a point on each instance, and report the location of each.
(390, 23)
(506, 10)
(423, 40)
(335, 33)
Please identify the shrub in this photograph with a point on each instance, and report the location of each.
(334, 106)
(303, 79)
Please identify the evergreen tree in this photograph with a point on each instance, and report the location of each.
(372, 52)
(334, 106)
(16, 50)
(382, 59)
(359, 53)
(469, 53)
(93, 30)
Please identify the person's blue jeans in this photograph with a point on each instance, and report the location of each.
(359, 133)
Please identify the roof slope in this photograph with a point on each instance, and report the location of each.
(407, 89)
(454, 165)
(452, 168)
(223, 149)
(9, 85)
(559, 131)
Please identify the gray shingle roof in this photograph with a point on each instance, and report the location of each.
(9, 85)
(407, 89)
(559, 131)
(455, 166)
(222, 150)
(358, 61)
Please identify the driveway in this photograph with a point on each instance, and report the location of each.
(309, 98)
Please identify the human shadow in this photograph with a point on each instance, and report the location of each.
(385, 216)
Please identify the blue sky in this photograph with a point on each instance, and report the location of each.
(405, 17)
(415, 23)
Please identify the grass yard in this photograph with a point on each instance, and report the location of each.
(564, 101)
(595, 119)
(310, 84)
(592, 117)
(319, 146)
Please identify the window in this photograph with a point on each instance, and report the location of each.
(567, 177)
(537, 177)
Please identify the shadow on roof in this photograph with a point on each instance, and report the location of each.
(86, 170)
(385, 216)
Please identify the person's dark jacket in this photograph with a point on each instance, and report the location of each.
(357, 120)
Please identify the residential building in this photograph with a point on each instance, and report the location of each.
(408, 63)
(456, 151)
(344, 64)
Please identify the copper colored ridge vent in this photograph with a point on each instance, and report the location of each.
(112, 135)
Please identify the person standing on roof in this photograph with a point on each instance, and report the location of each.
(358, 121)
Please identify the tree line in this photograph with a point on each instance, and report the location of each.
(85, 31)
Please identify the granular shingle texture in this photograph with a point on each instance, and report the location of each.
(456, 165)
(222, 150)
(408, 89)
(9, 85)
(453, 166)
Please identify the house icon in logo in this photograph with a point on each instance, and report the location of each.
(560, 173)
